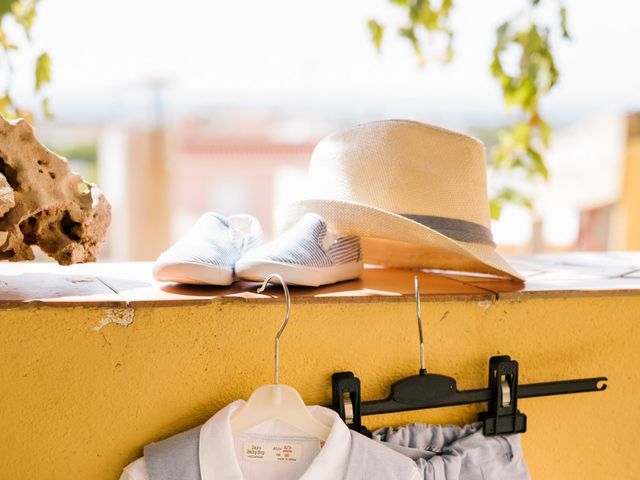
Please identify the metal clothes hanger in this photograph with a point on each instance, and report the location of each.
(430, 390)
(277, 401)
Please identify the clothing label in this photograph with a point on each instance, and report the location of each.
(272, 451)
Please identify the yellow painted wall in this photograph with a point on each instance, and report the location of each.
(80, 404)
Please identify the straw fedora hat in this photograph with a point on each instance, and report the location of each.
(415, 193)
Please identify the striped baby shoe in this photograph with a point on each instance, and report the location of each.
(305, 255)
(207, 253)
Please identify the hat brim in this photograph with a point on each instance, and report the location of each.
(393, 240)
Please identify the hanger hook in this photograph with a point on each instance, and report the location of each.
(285, 321)
(416, 284)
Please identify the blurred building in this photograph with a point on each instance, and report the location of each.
(234, 174)
(160, 179)
(592, 200)
(159, 183)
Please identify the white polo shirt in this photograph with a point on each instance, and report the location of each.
(272, 450)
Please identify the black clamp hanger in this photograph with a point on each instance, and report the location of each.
(430, 390)
(346, 400)
(503, 415)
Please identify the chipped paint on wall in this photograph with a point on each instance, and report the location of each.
(120, 316)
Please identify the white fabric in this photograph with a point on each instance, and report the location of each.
(449, 452)
(221, 455)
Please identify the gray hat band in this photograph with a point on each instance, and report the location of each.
(455, 228)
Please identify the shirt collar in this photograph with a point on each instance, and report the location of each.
(218, 457)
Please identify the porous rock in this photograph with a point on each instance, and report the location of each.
(44, 203)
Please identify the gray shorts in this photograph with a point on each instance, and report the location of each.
(457, 453)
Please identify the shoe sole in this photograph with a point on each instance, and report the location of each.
(193, 273)
(298, 275)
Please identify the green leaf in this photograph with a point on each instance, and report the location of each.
(24, 14)
(545, 131)
(563, 23)
(502, 37)
(423, 17)
(495, 209)
(524, 83)
(5, 105)
(46, 109)
(4, 41)
(449, 53)
(521, 132)
(6, 6)
(523, 94)
(429, 18)
(43, 71)
(538, 166)
(415, 10)
(377, 32)
(507, 196)
(410, 34)
(445, 8)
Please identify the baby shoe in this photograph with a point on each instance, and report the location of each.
(305, 255)
(207, 253)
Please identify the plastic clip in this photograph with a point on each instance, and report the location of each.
(503, 416)
(346, 400)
